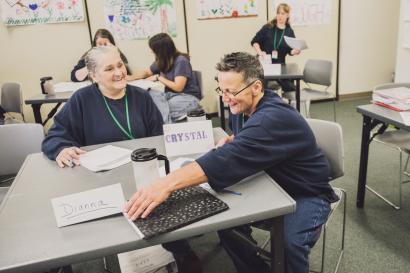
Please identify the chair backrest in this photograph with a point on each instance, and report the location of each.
(198, 77)
(391, 85)
(11, 97)
(318, 72)
(16, 142)
(329, 138)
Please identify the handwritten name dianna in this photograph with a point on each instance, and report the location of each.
(75, 210)
(179, 137)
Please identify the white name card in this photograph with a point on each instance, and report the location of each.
(88, 205)
(188, 138)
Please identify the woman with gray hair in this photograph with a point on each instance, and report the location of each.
(106, 111)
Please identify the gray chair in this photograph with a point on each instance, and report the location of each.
(329, 138)
(318, 72)
(16, 142)
(12, 98)
(395, 139)
(198, 76)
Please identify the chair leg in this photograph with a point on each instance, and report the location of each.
(307, 108)
(397, 207)
(322, 266)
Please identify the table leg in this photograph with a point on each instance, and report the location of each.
(298, 95)
(37, 113)
(364, 156)
(277, 246)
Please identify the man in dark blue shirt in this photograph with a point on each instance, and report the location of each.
(276, 139)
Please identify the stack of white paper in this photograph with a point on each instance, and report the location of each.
(296, 43)
(394, 98)
(70, 86)
(148, 85)
(145, 260)
(271, 69)
(105, 158)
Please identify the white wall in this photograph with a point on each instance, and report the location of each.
(403, 54)
(368, 44)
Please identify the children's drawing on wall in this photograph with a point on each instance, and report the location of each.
(29, 12)
(209, 9)
(140, 19)
(308, 12)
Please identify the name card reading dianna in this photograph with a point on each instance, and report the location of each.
(188, 138)
(88, 205)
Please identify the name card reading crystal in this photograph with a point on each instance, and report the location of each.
(88, 205)
(188, 138)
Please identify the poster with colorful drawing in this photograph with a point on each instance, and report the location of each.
(308, 12)
(30, 12)
(140, 19)
(210, 9)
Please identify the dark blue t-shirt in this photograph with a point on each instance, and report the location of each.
(278, 140)
(181, 67)
(85, 120)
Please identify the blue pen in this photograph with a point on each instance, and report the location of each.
(230, 191)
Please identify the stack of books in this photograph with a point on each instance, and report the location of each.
(397, 99)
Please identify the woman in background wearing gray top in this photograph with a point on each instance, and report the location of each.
(173, 69)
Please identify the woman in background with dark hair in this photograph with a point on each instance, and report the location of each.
(101, 38)
(173, 69)
(269, 40)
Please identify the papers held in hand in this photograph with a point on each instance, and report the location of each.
(105, 158)
(296, 43)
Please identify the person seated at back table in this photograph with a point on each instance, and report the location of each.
(102, 37)
(173, 69)
(275, 139)
(106, 111)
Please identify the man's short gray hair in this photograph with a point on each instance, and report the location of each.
(94, 55)
(244, 63)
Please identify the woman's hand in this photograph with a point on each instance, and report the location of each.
(153, 78)
(262, 54)
(69, 157)
(224, 140)
(295, 51)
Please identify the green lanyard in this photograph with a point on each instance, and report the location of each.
(276, 46)
(129, 132)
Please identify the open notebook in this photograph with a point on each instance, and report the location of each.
(182, 208)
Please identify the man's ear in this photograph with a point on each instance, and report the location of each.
(257, 88)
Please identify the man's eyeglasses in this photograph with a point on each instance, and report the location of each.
(231, 94)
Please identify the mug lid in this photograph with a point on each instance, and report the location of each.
(196, 113)
(144, 154)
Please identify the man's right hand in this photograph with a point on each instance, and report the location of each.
(69, 157)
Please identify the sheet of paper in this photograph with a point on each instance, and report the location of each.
(405, 116)
(88, 205)
(70, 86)
(188, 138)
(148, 85)
(105, 158)
(145, 260)
(296, 43)
(271, 69)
